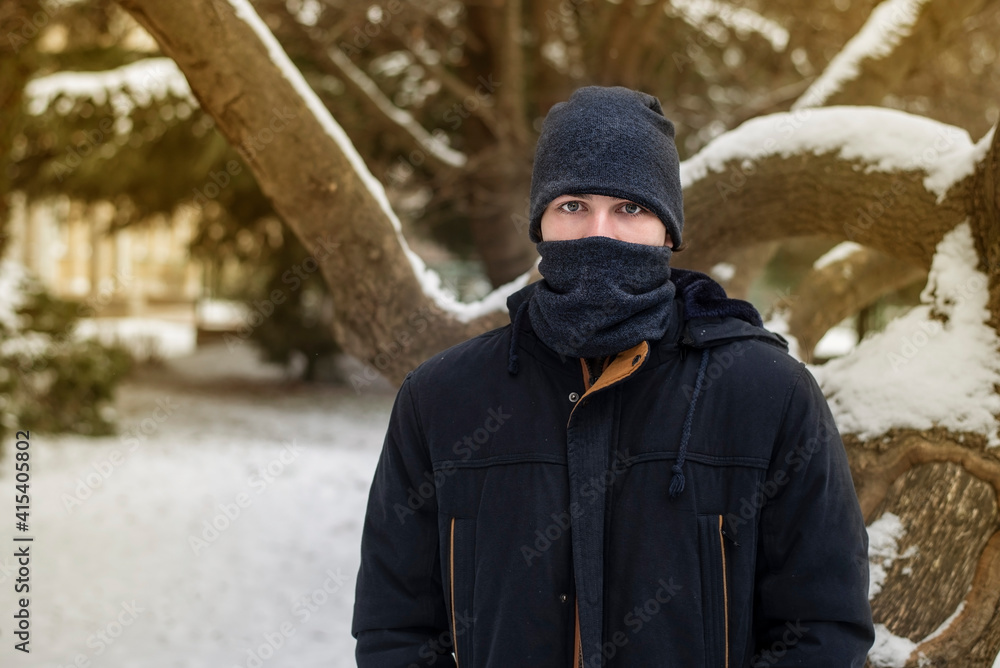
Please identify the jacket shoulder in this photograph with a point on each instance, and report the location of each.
(755, 364)
(469, 356)
(770, 358)
(706, 332)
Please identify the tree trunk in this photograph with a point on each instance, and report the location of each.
(20, 23)
(943, 487)
(499, 184)
(985, 217)
(315, 180)
(944, 493)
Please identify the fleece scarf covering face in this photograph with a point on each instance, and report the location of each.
(601, 296)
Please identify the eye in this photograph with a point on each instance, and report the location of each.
(632, 209)
(570, 207)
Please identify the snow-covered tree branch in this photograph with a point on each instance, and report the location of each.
(391, 310)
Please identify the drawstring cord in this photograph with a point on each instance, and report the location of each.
(677, 482)
(512, 362)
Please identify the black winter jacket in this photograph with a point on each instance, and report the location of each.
(693, 507)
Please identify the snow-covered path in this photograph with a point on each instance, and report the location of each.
(220, 529)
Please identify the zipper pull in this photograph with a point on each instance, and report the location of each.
(732, 540)
(591, 369)
(685, 343)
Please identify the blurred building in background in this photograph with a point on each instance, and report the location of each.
(134, 270)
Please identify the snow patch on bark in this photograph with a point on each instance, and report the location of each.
(892, 651)
(881, 140)
(888, 25)
(889, 650)
(884, 535)
(935, 366)
(430, 281)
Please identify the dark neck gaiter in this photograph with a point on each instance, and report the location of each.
(600, 296)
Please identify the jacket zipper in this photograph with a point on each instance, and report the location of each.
(725, 592)
(589, 379)
(577, 646)
(451, 579)
(592, 371)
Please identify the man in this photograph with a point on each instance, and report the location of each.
(633, 473)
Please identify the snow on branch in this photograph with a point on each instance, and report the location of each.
(935, 366)
(882, 140)
(700, 13)
(889, 23)
(136, 84)
(430, 281)
(839, 252)
(400, 117)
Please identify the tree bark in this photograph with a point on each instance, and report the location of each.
(746, 262)
(985, 222)
(805, 194)
(499, 175)
(500, 178)
(943, 487)
(958, 531)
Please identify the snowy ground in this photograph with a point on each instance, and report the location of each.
(119, 577)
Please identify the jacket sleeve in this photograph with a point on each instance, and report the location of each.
(811, 600)
(399, 610)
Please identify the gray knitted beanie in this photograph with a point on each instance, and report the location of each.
(608, 141)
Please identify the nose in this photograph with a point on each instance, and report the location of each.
(600, 224)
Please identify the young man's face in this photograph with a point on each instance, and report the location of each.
(578, 216)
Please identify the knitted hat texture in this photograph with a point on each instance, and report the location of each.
(610, 141)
